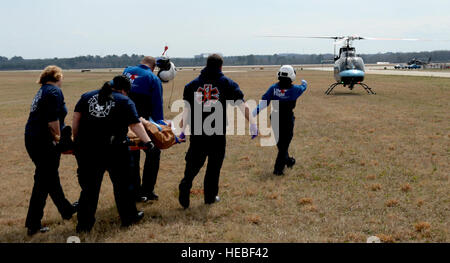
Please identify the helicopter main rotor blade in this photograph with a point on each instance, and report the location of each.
(352, 38)
(286, 36)
(400, 39)
(404, 39)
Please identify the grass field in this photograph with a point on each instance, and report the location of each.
(366, 165)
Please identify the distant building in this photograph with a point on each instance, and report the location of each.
(437, 66)
(205, 55)
(383, 63)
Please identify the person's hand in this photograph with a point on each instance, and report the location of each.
(255, 112)
(149, 147)
(181, 138)
(253, 130)
(64, 143)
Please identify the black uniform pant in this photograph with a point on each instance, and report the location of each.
(92, 164)
(200, 148)
(150, 173)
(284, 135)
(46, 181)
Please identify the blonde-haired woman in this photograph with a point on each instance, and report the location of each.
(42, 134)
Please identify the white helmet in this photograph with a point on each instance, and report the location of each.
(167, 70)
(287, 71)
(169, 74)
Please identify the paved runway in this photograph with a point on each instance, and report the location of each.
(419, 73)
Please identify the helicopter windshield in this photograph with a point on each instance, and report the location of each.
(350, 54)
(352, 62)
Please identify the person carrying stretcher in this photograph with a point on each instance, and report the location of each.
(100, 126)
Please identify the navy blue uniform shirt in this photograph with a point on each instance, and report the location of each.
(48, 105)
(210, 87)
(148, 86)
(100, 123)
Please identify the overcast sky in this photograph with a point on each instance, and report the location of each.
(67, 28)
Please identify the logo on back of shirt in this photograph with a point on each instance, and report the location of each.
(97, 110)
(207, 95)
(279, 93)
(132, 77)
(35, 102)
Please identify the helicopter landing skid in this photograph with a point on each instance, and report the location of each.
(365, 86)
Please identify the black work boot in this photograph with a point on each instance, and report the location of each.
(290, 162)
(149, 197)
(138, 217)
(71, 213)
(183, 197)
(42, 229)
(278, 172)
(215, 200)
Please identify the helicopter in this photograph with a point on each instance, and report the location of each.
(349, 68)
(419, 62)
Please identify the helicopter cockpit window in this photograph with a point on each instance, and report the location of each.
(352, 63)
(350, 53)
(358, 63)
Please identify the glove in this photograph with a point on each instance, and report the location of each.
(149, 147)
(181, 138)
(254, 130)
(255, 112)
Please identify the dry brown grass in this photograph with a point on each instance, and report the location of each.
(386, 238)
(305, 201)
(420, 202)
(406, 188)
(344, 144)
(422, 226)
(392, 203)
(254, 219)
(375, 187)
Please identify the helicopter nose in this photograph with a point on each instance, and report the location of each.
(352, 73)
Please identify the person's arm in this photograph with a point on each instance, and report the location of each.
(157, 101)
(302, 88)
(77, 114)
(135, 124)
(54, 130)
(185, 116)
(75, 124)
(188, 97)
(267, 98)
(245, 109)
(238, 95)
(139, 130)
(297, 90)
(51, 112)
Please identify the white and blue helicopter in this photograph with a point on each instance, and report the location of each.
(349, 69)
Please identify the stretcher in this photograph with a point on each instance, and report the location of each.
(162, 135)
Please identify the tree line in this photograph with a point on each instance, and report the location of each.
(114, 61)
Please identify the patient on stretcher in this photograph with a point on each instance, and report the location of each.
(163, 136)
